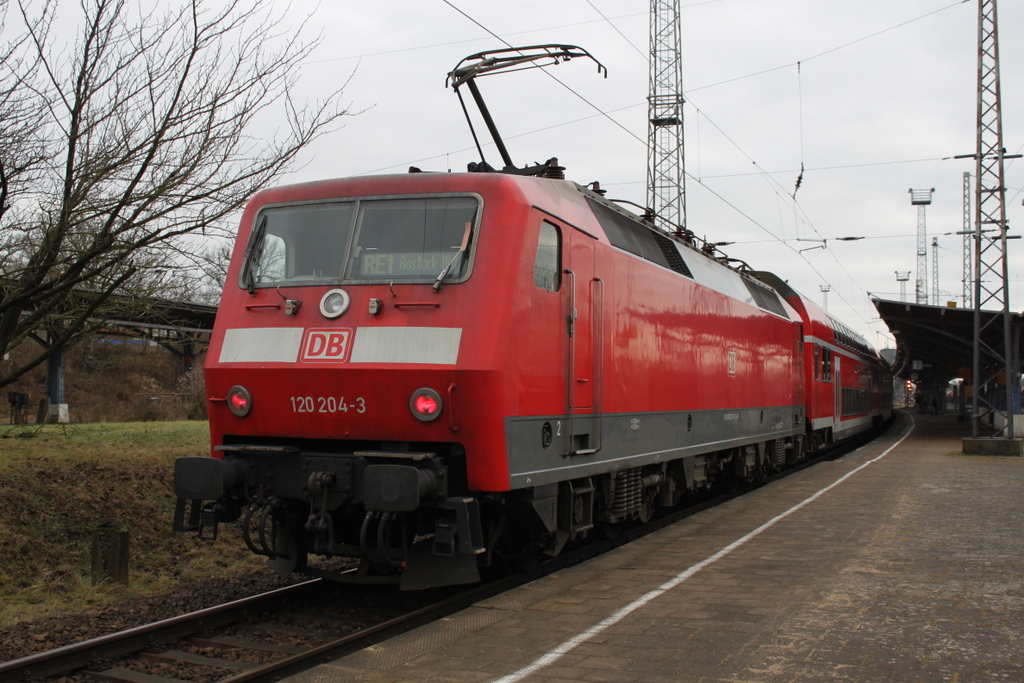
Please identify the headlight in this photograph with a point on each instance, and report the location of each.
(334, 303)
(425, 404)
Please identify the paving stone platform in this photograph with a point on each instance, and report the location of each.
(911, 569)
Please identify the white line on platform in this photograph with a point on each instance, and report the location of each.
(568, 646)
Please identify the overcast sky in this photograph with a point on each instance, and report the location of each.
(884, 94)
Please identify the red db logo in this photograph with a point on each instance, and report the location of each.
(328, 344)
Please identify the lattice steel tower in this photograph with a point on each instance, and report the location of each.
(992, 359)
(902, 279)
(666, 184)
(921, 199)
(968, 251)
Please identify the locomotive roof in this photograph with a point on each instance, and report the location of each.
(543, 192)
(572, 203)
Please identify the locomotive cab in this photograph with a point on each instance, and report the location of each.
(357, 357)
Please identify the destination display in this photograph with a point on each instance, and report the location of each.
(402, 265)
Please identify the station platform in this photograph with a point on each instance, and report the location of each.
(902, 561)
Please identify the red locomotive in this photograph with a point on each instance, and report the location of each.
(429, 372)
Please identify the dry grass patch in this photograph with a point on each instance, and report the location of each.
(59, 485)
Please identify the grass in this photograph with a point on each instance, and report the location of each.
(57, 485)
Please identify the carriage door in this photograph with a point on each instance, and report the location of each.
(799, 348)
(837, 379)
(583, 297)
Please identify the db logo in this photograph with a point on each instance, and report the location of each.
(329, 344)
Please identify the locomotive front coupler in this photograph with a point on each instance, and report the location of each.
(392, 487)
(199, 484)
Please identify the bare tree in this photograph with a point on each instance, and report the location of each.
(21, 117)
(115, 147)
(214, 273)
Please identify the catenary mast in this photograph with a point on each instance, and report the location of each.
(666, 186)
(968, 250)
(993, 402)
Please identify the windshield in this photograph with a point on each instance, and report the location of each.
(300, 244)
(409, 239)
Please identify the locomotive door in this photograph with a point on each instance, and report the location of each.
(584, 295)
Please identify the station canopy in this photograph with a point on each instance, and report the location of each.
(936, 343)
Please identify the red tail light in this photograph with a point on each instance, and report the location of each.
(239, 400)
(426, 404)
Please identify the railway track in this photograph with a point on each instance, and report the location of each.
(267, 637)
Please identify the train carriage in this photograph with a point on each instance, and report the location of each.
(849, 385)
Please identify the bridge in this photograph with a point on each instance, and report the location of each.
(181, 327)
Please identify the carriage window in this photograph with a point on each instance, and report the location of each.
(412, 239)
(298, 245)
(547, 272)
(817, 362)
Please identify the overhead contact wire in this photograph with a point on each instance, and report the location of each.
(774, 186)
(764, 173)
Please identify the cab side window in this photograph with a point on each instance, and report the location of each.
(547, 270)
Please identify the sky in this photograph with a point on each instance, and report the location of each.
(872, 98)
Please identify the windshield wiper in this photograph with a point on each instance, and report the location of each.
(462, 250)
(447, 269)
(254, 256)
